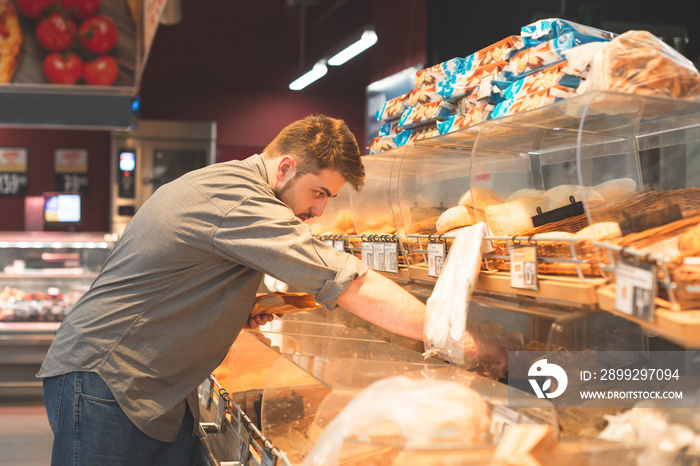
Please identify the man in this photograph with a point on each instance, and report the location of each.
(120, 378)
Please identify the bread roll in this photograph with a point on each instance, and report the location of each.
(616, 190)
(689, 242)
(512, 217)
(479, 198)
(553, 235)
(526, 192)
(559, 195)
(454, 217)
(600, 231)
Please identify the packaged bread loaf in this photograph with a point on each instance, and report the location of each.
(500, 51)
(475, 114)
(436, 73)
(637, 62)
(551, 28)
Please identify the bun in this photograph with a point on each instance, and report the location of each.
(526, 192)
(600, 231)
(616, 190)
(454, 217)
(480, 198)
(689, 242)
(560, 195)
(553, 235)
(512, 217)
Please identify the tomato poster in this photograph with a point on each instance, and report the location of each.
(71, 171)
(69, 42)
(13, 171)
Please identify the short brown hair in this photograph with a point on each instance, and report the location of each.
(319, 142)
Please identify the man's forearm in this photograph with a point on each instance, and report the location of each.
(382, 302)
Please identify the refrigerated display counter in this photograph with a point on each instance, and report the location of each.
(42, 275)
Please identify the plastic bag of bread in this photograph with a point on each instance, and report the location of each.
(417, 413)
(638, 62)
(446, 309)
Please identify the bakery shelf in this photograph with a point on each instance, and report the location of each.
(680, 327)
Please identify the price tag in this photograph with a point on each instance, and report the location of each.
(523, 267)
(339, 245)
(205, 393)
(501, 419)
(367, 254)
(635, 288)
(244, 446)
(329, 242)
(379, 255)
(268, 458)
(220, 408)
(391, 257)
(13, 184)
(436, 258)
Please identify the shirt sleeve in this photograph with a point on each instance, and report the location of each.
(263, 234)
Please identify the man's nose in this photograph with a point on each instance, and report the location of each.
(317, 210)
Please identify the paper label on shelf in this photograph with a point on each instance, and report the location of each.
(220, 408)
(691, 260)
(368, 254)
(339, 245)
(244, 445)
(635, 288)
(329, 242)
(379, 257)
(523, 268)
(205, 393)
(268, 458)
(391, 257)
(436, 258)
(502, 418)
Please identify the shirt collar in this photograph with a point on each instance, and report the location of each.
(256, 163)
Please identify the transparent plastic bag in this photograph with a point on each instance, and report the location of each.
(418, 413)
(446, 309)
(637, 62)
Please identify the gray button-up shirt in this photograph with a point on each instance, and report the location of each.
(180, 284)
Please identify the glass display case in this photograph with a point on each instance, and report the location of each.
(42, 274)
(302, 381)
(583, 182)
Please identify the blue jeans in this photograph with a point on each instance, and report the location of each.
(90, 428)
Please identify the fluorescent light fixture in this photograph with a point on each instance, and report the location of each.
(318, 71)
(368, 39)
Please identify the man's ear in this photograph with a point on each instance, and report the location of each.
(286, 168)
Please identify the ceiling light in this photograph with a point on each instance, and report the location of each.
(318, 71)
(368, 39)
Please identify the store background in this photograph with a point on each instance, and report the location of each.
(232, 62)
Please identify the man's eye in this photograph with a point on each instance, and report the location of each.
(319, 194)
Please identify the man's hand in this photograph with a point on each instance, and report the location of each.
(258, 320)
(490, 352)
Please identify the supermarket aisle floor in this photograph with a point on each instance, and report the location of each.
(25, 435)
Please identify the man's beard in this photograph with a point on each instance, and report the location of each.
(280, 192)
